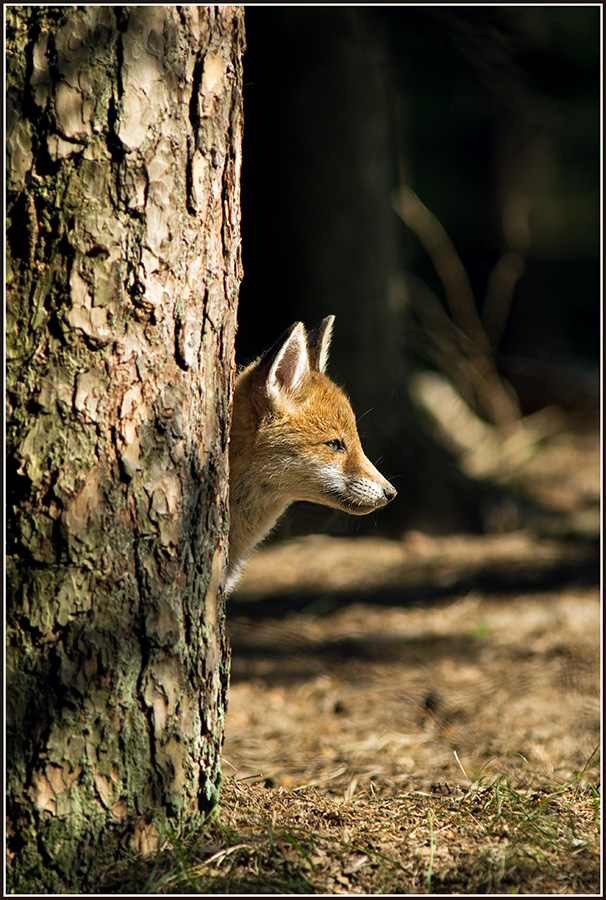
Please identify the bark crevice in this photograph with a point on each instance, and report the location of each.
(116, 435)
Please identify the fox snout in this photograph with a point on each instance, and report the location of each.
(384, 491)
(363, 495)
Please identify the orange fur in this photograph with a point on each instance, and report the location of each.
(294, 437)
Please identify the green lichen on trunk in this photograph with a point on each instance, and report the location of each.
(123, 273)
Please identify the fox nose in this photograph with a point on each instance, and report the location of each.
(389, 493)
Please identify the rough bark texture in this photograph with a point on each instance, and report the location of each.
(123, 138)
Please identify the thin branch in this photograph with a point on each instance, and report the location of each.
(494, 401)
(445, 258)
(510, 267)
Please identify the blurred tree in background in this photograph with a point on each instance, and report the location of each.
(486, 120)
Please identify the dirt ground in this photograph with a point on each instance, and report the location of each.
(422, 714)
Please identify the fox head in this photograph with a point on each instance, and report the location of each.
(296, 429)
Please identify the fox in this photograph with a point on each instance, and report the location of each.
(293, 437)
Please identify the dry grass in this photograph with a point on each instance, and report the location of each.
(379, 746)
(487, 838)
(444, 749)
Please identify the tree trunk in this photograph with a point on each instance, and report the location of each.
(123, 137)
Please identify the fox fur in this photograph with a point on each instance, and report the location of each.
(294, 437)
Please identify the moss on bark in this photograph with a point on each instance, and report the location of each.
(123, 275)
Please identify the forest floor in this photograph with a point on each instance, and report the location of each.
(420, 714)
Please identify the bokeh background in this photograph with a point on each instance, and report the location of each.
(430, 175)
(488, 118)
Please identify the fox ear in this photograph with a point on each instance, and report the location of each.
(318, 342)
(290, 366)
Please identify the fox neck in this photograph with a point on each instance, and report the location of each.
(256, 503)
(251, 521)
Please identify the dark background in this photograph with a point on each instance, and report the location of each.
(492, 116)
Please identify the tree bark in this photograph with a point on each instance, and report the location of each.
(123, 138)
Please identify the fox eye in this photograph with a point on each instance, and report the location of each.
(336, 445)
